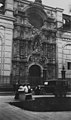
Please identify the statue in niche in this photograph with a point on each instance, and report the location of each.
(17, 31)
(53, 26)
(38, 37)
(53, 14)
(53, 35)
(28, 27)
(35, 32)
(26, 33)
(35, 38)
(44, 31)
(26, 30)
(48, 12)
(44, 36)
(37, 44)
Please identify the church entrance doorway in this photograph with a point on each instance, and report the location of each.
(35, 75)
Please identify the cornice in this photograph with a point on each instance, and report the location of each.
(7, 17)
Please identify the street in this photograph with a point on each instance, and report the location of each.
(8, 112)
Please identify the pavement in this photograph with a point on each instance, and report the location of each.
(9, 112)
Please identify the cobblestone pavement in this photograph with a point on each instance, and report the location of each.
(8, 112)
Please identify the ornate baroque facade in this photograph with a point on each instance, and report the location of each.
(34, 42)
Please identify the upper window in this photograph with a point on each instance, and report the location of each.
(2, 5)
(69, 65)
(35, 20)
(66, 22)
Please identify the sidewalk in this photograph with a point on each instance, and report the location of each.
(8, 112)
(13, 93)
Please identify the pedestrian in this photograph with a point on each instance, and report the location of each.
(29, 89)
(16, 91)
(37, 90)
(29, 94)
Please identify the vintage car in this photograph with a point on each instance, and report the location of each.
(57, 87)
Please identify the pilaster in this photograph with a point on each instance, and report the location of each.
(9, 8)
(59, 17)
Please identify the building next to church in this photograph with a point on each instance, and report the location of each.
(35, 42)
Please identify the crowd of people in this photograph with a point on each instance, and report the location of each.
(26, 89)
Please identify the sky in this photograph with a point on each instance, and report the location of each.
(64, 4)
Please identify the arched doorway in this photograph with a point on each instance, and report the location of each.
(35, 75)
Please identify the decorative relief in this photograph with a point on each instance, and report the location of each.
(16, 50)
(17, 31)
(18, 19)
(38, 59)
(38, 43)
(48, 12)
(40, 40)
(53, 26)
(20, 6)
(22, 50)
(26, 33)
(34, 59)
(51, 14)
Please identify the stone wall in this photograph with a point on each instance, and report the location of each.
(64, 53)
(6, 36)
(63, 39)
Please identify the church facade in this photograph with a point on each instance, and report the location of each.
(35, 42)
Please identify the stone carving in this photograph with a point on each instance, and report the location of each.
(53, 14)
(53, 25)
(48, 12)
(16, 50)
(38, 37)
(38, 59)
(34, 58)
(20, 6)
(26, 32)
(33, 42)
(17, 31)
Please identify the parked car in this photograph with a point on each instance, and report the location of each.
(58, 87)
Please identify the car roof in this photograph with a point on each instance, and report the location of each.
(56, 80)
